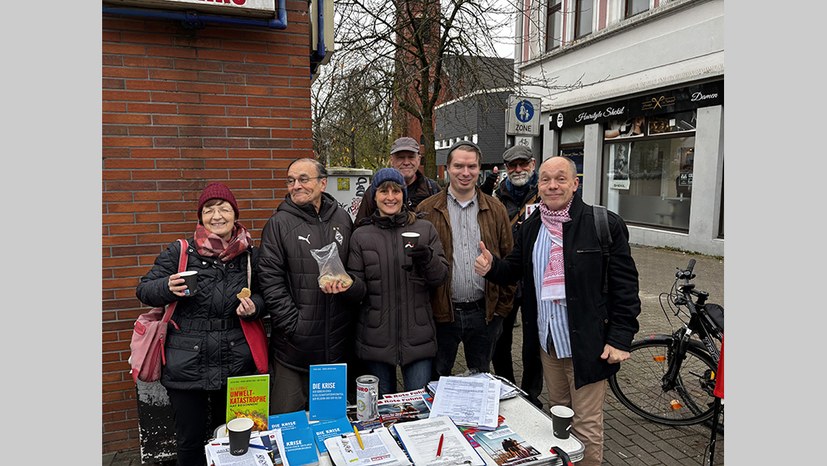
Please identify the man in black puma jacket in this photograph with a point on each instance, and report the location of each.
(309, 326)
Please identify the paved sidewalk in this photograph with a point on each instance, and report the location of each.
(629, 439)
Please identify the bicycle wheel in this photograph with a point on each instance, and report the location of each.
(638, 384)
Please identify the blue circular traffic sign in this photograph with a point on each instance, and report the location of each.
(524, 111)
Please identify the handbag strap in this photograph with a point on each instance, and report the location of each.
(249, 270)
(522, 211)
(182, 266)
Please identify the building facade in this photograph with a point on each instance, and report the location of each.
(633, 90)
(190, 97)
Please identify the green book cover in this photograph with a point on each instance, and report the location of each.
(249, 396)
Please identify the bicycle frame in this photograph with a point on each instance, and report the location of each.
(670, 378)
(700, 324)
(699, 321)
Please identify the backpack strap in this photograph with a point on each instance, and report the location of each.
(182, 266)
(601, 225)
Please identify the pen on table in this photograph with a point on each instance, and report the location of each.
(252, 445)
(439, 447)
(358, 438)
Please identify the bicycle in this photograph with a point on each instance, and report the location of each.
(669, 379)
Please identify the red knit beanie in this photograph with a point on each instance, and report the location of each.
(217, 191)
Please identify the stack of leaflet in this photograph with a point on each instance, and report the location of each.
(375, 447)
(507, 391)
(468, 401)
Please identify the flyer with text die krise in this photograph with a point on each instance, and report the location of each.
(328, 391)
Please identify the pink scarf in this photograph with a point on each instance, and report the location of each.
(554, 278)
(211, 245)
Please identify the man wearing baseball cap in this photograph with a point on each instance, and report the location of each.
(406, 158)
(517, 191)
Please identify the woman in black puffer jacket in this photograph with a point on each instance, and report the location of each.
(208, 344)
(395, 324)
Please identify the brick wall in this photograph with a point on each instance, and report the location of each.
(181, 108)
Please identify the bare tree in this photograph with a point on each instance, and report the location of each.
(412, 55)
(415, 40)
(351, 116)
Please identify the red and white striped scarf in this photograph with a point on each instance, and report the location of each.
(554, 278)
(211, 245)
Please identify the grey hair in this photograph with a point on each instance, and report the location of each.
(320, 168)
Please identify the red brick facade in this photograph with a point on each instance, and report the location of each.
(181, 108)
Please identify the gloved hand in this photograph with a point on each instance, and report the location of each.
(420, 254)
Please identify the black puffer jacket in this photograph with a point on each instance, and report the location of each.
(308, 326)
(209, 345)
(395, 323)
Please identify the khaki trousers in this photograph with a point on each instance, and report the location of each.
(587, 403)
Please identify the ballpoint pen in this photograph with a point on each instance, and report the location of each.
(358, 438)
(439, 447)
(252, 445)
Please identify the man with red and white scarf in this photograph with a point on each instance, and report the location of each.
(582, 333)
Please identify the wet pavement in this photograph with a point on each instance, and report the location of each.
(629, 439)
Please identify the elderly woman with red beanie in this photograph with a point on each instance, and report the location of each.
(206, 343)
(395, 323)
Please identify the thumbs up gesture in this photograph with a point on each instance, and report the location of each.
(483, 262)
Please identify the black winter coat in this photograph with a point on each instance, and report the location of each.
(395, 322)
(209, 345)
(594, 318)
(308, 326)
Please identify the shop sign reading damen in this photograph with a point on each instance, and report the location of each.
(259, 8)
(673, 100)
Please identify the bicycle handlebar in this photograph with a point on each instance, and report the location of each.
(686, 274)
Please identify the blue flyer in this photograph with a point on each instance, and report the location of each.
(328, 391)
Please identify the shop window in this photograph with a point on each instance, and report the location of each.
(648, 181)
(583, 20)
(573, 135)
(554, 25)
(576, 155)
(672, 123)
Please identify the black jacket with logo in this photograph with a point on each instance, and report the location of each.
(209, 344)
(308, 326)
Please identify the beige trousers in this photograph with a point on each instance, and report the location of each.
(587, 403)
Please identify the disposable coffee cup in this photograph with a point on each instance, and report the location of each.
(561, 421)
(239, 430)
(409, 239)
(191, 280)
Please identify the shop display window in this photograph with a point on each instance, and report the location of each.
(648, 180)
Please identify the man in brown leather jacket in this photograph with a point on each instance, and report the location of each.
(467, 308)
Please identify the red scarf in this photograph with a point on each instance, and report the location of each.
(554, 278)
(211, 245)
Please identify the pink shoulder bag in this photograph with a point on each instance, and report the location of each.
(149, 335)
